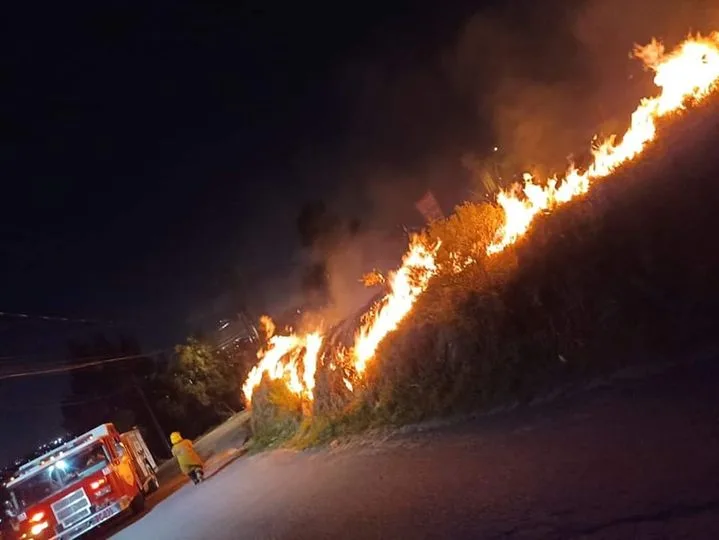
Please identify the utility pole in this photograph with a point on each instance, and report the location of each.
(155, 422)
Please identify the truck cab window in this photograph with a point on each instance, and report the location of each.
(119, 448)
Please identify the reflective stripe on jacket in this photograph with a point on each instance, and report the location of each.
(186, 456)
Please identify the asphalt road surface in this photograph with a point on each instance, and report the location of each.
(637, 459)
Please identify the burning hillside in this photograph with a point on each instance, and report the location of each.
(684, 76)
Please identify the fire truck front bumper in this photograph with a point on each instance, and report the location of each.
(93, 520)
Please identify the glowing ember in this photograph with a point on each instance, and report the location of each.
(406, 284)
(688, 73)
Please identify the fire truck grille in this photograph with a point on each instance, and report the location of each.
(71, 508)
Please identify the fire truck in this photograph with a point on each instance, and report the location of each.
(81, 484)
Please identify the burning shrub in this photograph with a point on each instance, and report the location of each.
(463, 237)
(276, 412)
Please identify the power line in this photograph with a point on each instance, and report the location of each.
(37, 356)
(74, 367)
(54, 318)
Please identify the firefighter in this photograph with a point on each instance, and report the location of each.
(187, 458)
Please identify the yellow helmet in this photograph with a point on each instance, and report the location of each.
(175, 437)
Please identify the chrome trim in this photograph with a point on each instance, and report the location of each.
(87, 524)
(73, 507)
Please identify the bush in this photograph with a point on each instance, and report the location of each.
(276, 413)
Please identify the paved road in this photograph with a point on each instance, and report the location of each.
(636, 460)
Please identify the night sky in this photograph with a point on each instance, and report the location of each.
(150, 152)
(155, 154)
(154, 157)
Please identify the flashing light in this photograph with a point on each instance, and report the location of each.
(97, 483)
(61, 465)
(37, 517)
(37, 529)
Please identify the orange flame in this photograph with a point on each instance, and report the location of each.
(406, 284)
(271, 363)
(313, 343)
(281, 359)
(688, 73)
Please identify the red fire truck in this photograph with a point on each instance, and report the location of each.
(81, 484)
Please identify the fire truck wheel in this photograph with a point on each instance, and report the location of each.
(137, 505)
(153, 485)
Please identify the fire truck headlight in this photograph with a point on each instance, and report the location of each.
(38, 528)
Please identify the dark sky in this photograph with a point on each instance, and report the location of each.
(154, 155)
(150, 150)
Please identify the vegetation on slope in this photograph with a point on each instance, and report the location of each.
(622, 275)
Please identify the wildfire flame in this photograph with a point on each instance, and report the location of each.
(280, 359)
(294, 348)
(411, 280)
(313, 343)
(689, 73)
